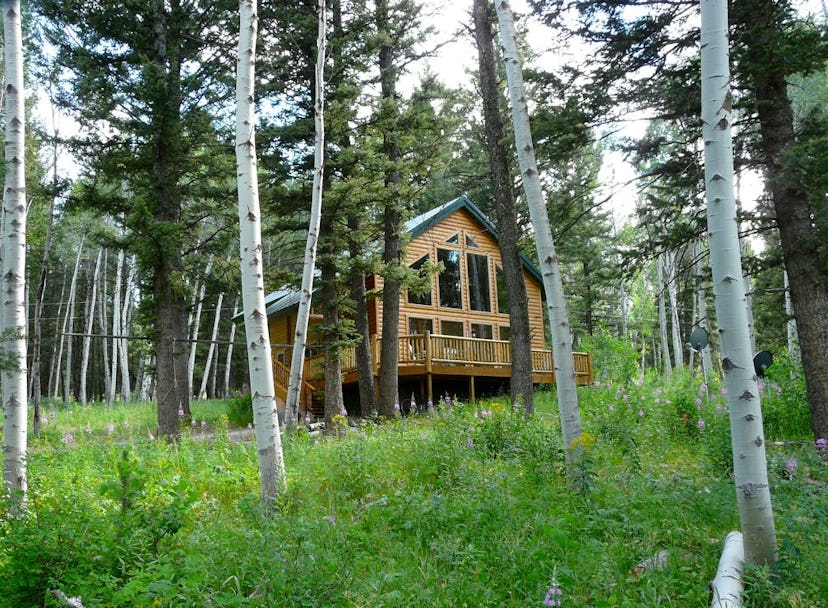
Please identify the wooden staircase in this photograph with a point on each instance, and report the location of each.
(310, 397)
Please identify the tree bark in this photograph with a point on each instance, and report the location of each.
(556, 302)
(662, 317)
(521, 386)
(13, 279)
(306, 295)
(126, 314)
(111, 389)
(389, 399)
(211, 351)
(87, 338)
(35, 381)
(229, 362)
(196, 325)
(260, 364)
(747, 436)
(672, 291)
(794, 212)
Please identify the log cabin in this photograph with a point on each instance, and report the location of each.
(454, 335)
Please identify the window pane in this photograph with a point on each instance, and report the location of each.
(451, 328)
(454, 240)
(470, 242)
(478, 271)
(479, 330)
(449, 281)
(423, 298)
(502, 292)
(420, 326)
(505, 332)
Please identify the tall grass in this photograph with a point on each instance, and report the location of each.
(471, 507)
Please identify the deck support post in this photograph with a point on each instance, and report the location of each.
(430, 389)
(472, 397)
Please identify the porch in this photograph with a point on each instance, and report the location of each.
(427, 357)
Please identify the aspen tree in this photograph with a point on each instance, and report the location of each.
(13, 276)
(87, 337)
(747, 436)
(268, 440)
(211, 351)
(306, 294)
(556, 302)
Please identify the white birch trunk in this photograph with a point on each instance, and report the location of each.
(197, 324)
(703, 319)
(662, 317)
(116, 329)
(300, 338)
(556, 302)
(126, 318)
(727, 588)
(146, 379)
(202, 393)
(790, 325)
(260, 365)
(229, 364)
(748, 443)
(672, 291)
(103, 324)
(13, 280)
(69, 327)
(87, 338)
(57, 350)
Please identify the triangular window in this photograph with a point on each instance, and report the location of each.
(454, 240)
(470, 242)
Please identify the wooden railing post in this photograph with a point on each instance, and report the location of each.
(375, 353)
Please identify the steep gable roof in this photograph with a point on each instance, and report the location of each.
(286, 298)
(419, 224)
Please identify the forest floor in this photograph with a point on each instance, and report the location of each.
(471, 507)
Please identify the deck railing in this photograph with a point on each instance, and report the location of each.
(430, 350)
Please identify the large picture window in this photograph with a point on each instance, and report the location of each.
(477, 268)
(420, 298)
(502, 292)
(451, 295)
(418, 325)
(451, 328)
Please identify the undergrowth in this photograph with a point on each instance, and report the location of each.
(470, 507)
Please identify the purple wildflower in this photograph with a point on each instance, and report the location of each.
(554, 596)
(110, 430)
(720, 409)
(611, 408)
(626, 398)
(343, 412)
(331, 519)
(469, 442)
(791, 468)
(68, 438)
(701, 424)
(698, 402)
(822, 445)
(641, 413)
(724, 391)
(702, 389)
(597, 384)
(180, 413)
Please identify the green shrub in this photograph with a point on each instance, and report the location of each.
(240, 410)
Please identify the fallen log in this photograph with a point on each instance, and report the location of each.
(726, 589)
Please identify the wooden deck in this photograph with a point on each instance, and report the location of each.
(432, 356)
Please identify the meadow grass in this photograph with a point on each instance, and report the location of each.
(471, 507)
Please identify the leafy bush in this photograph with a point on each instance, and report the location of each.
(240, 410)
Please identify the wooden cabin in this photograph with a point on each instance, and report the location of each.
(454, 337)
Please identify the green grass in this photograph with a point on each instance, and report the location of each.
(472, 508)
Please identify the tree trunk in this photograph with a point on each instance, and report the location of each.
(111, 389)
(334, 401)
(35, 380)
(123, 348)
(56, 364)
(794, 212)
(211, 351)
(521, 386)
(69, 328)
(196, 324)
(672, 291)
(87, 338)
(662, 317)
(389, 399)
(103, 324)
(749, 461)
(260, 364)
(556, 302)
(359, 294)
(13, 324)
(790, 324)
(703, 317)
(229, 364)
(306, 294)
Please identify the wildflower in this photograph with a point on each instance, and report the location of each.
(791, 469)
(331, 519)
(724, 391)
(52, 415)
(447, 399)
(701, 424)
(44, 420)
(702, 389)
(720, 409)
(597, 384)
(110, 430)
(343, 412)
(181, 413)
(641, 413)
(88, 430)
(698, 402)
(430, 406)
(469, 442)
(485, 414)
(68, 438)
(822, 445)
(554, 595)
(611, 408)
(626, 398)
(657, 400)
